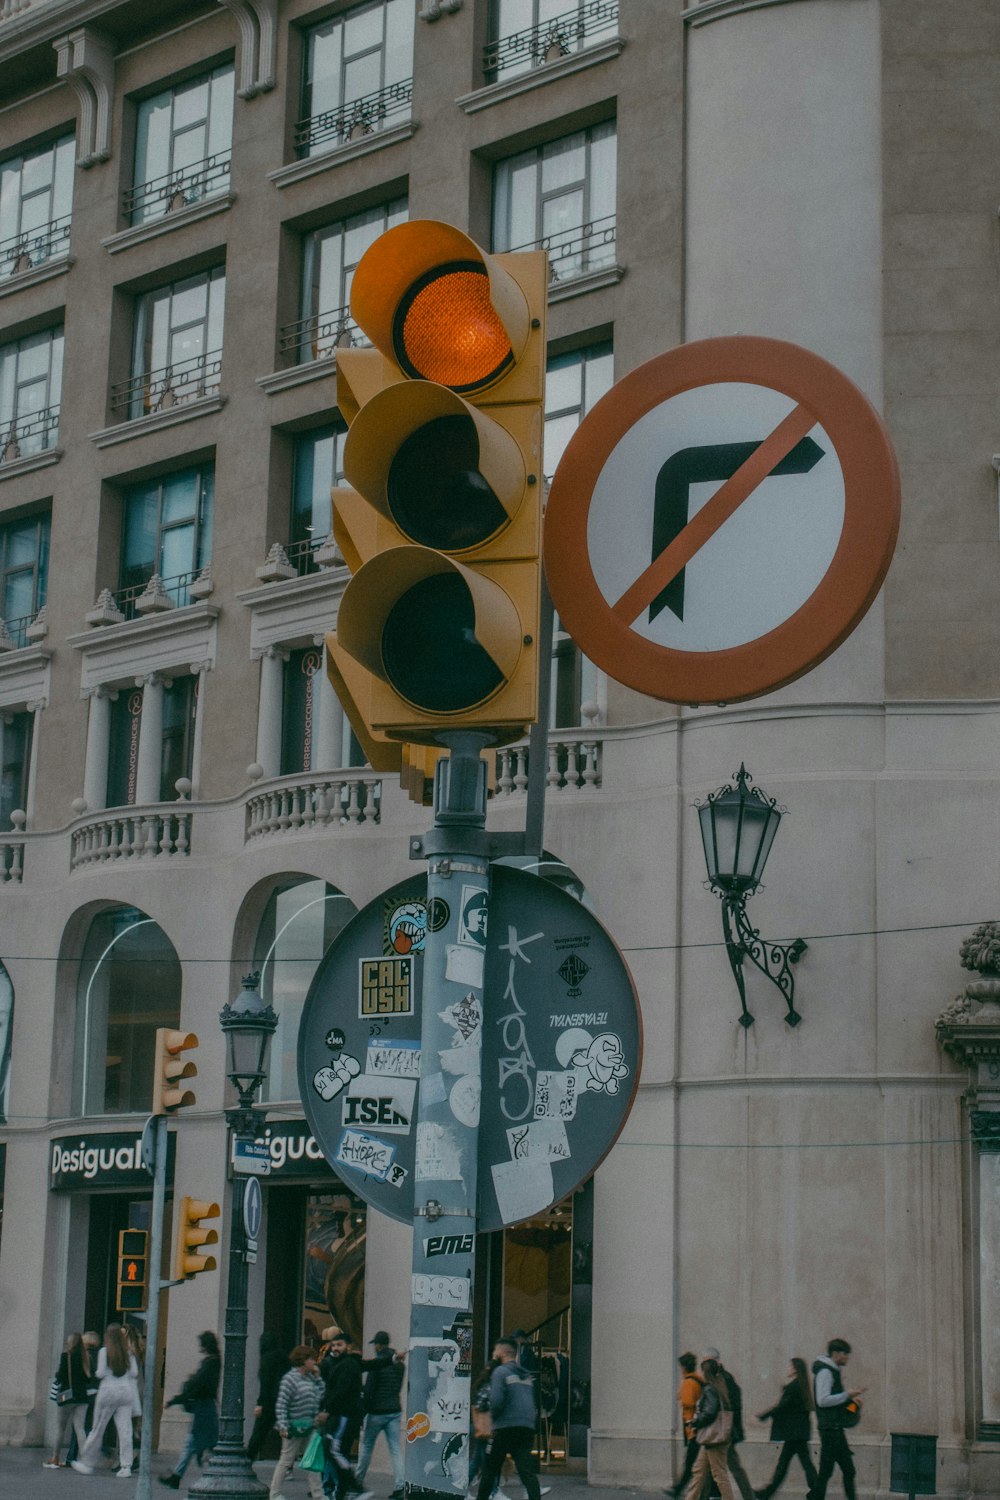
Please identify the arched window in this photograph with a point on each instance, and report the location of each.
(300, 921)
(6, 1024)
(129, 985)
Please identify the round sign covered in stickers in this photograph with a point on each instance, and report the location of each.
(560, 1034)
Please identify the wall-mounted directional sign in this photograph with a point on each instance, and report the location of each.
(559, 1031)
(721, 520)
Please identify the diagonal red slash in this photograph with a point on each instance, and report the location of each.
(723, 504)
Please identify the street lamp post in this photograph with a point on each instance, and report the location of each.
(248, 1025)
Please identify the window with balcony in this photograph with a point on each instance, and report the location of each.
(524, 34)
(36, 197)
(183, 140)
(30, 392)
(329, 258)
(167, 530)
(177, 346)
(317, 465)
(357, 76)
(24, 571)
(15, 763)
(560, 197)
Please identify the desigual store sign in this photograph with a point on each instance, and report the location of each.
(109, 1162)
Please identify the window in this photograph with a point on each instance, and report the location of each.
(179, 704)
(183, 138)
(561, 197)
(526, 33)
(36, 196)
(329, 258)
(30, 392)
(15, 763)
(24, 569)
(317, 465)
(166, 529)
(357, 75)
(129, 984)
(177, 347)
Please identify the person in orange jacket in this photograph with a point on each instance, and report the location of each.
(687, 1398)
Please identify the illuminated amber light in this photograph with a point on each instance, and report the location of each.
(450, 332)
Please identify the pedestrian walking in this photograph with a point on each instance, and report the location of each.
(343, 1413)
(296, 1411)
(713, 1430)
(514, 1411)
(198, 1396)
(117, 1373)
(482, 1431)
(733, 1459)
(687, 1400)
(832, 1416)
(791, 1426)
(69, 1385)
(383, 1411)
(272, 1365)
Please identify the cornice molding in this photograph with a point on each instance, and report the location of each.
(167, 642)
(58, 265)
(187, 411)
(85, 60)
(562, 67)
(34, 461)
(704, 11)
(310, 166)
(304, 374)
(138, 234)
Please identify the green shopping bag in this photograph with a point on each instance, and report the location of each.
(313, 1457)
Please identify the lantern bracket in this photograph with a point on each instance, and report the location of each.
(774, 960)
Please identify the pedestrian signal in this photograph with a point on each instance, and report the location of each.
(192, 1237)
(132, 1262)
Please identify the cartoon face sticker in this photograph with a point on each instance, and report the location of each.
(604, 1061)
(406, 927)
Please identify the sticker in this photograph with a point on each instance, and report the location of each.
(329, 1081)
(438, 912)
(418, 1426)
(461, 1060)
(335, 1039)
(396, 1175)
(440, 1291)
(383, 1103)
(432, 1089)
(448, 1401)
(364, 1153)
(572, 971)
(542, 1140)
(448, 1244)
(466, 1015)
(464, 965)
(604, 1061)
(555, 1095)
(576, 1019)
(472, 922)
(460, 1334)
(385, 987)
(523, 1188)
(394, 1059)
(405, 927)
(438, 1155)
(464, 1100)
(454, 1464)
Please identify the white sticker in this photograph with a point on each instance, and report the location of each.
(384, 1104)
(329, 1081)
(464, 1100)
(448, 1403)
(438, 1154)
(364, 1153)
(395, 1059)
(555, 1095)
(460, 1060)
(541, 1140)
(465, 965)
(441, 1291)
(466, 1015)
(523, 1188)
(433, 1089)
(603, 1063)
(396, 1175)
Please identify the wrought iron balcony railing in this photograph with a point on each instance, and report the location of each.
(352, 121)
(15, 630)
(22, 252)
(321, 334)
(577, 252)
(177, 589)
(588, 22)
(20, 437)
(174, 190)
(159, 390)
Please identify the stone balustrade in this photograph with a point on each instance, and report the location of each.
(574, 763)
(131, 833)
(11, 859)
(306, 803)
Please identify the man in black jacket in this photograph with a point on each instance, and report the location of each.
(832, 1397)
(383, 1382)
(341, 1405)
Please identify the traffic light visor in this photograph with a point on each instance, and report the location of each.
(428, 297)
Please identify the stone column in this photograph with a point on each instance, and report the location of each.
(328, 721)
(147, 783)
(199, 670)
(95, 769)
(272, 662)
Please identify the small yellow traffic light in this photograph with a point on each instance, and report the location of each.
(188, 1260)
(441, 525)
(132, 1270)
(170, 1069)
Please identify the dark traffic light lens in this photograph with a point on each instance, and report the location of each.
(429, 649)
(436, 493)
(447, 329)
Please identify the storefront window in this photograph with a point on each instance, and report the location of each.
(129, 985)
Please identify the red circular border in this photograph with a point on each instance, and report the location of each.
(851, 583)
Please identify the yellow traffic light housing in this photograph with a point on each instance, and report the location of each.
(441, 525)
(133, 1261)
(191, 1237)
(170, 1070)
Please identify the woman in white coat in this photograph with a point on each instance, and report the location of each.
(118, 1374)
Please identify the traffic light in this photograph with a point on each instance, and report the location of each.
(440, 522)
(133, 1259)
(188, 1260)
(170, 1069)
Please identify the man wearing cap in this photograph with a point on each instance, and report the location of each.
(736, 1468)
(380, 1398)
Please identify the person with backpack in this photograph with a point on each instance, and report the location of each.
(383, 1412)
(713, 1431)
(836, 1409)
(791, 1426)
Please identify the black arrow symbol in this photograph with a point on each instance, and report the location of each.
(704, 465)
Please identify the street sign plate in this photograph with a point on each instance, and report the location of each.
(251, 1157)
(253, 1212)
(721, 520)
(561, 1039)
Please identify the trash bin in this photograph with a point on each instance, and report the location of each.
(914, 1464)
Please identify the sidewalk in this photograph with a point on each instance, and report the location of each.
(23, 1478)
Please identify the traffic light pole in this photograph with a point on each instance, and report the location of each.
(144, 1487)
(457, 850)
